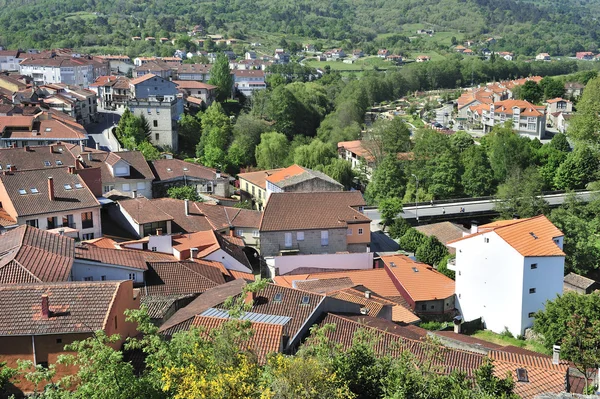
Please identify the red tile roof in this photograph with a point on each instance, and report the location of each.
(28, 254)
(530, 237)
(75, 307)
(111, 256)
(312, 210)
(258, 178)
(192, 84)
(167, 169)
(142, 210)
(181, 278)
(420, 281)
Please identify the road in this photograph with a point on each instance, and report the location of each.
(106, 119)
(470, 207)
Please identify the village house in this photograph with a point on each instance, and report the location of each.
(80, 104)
(423, 58)
(559, 112)
(112, 91)
(528, 119)
(118, 64)
(444, 232)
(51, 199)
(176, 173)
(157, 68)
(40, 319)
(542, 57)
(78, 71)
(383, 53)
(198, 72)
(584, 55)
(281, 56)
(248, 81)
(507, 55)
(314, 223)
(574, 89)
(41, 129)
(10, 59)
(156, 98)
(95, 263)
(507, 270)
(203, 91)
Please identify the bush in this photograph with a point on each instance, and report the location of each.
(431, 251)
(433, 325)
(442, 267)
(411, 240)
(398, 228)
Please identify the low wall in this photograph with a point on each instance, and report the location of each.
(279, 265)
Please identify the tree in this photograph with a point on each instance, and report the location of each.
(246, 136)
(431, 251)
(220, 76)
(559, 141)
(272, 151)
(6, 373)
(390, 208)
(184, 192)
(388, 181)
(387, 138)
(216, 134)
(507, 151)
(521, 195)
(581, 345)
(461, 141)
(398, 228)
(531, 91)
(579, 168)
(149, 151)
(478, 178)
(585, 125)
(314, 154)
(552, 87)
(412, 240)
(442, 266)
(190, 131)
(341, 171)
(283, 109)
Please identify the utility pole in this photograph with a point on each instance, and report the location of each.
(416, 197)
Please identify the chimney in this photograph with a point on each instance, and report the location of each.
(159, 231)
(368, 294)
(133, 193)
(51, 188)
(26, 148)
(474, 227)
(187, 207)
(12, 168)
(51, 149)
(97, 146)
(457, 323)
(231, 231)
(249, 299)
(82, 146)
(217, 174)
(45, 307)
(555, 354)
(71, 170)
(61, 232)
(193, 253)
(89, 157)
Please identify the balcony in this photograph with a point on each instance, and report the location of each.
(289, 249)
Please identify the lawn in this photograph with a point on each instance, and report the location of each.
(362, 64)
(492, 337)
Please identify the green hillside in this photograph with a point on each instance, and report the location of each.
(523, 27)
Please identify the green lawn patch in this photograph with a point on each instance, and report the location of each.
(499, 339)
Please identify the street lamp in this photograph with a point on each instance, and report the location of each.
(184, 176)
(416, 197)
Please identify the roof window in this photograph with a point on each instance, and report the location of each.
(59, 162)
(522, 375)
(22, 191)
(68, 187)
(47, 163)
(415, 270)
(48, 129)
(305, 300)
(169, 170)
(78, 185)
(278, 297)
(392, 264)
(34, 190)
(533, 235)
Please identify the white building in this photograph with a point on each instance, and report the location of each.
(78, 71)
(10, 59)
(507, 270)
(94, 263)
(248, 81)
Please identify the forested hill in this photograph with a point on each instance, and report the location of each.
(559, 28)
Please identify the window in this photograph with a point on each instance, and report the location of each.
(423, 307)
(59, 162)
(349, 232)
(115, 322)
(67, 221)
(150, 228)
(533, 266)
(103, 278)
(360, 231)
(531, 126)
(51, 222)
(531, 314)
(246, 186)
(126, 187)
(149, 111)
(88, 236)
(288, 240)
(47, 163)
(87, 220)
(22, 191)
(256, 234)
(88, 278)
(106, 189)
(154, 249)
(156, 137)
(253, 191)
(300, 236)
(155, 123)
(532, 290)
(239, 232)
(132, 276)
(59, 340)
(32, 222)
(68, 187)
(141, 185)
(486, 240)
(78, 185)
(324, 238)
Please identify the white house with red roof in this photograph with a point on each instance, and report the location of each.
(507, 270)
(528, 119)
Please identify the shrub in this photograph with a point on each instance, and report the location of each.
(411, 240)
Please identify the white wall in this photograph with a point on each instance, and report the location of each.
(96, 230)
(227, 260)
(163, 243)
(82, 269)
(353, 261)
(489, 282)
(547, 279)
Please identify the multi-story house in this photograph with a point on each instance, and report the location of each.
(574, 89)
(507, 270)
(527, 119)
(198, 72)
(248, 81)
(80, 104)
(40, 319)
(42, 129)
(542, 57)
(156, 98)
(51, 199)
(10, 59)
(584, 55)
(559, 111)
(118, 64)
(78, 71)
(158, 68)
(195, 89)
(174, 172)
(258, 186)
(281, 56)
(314, 223)
(112, 91)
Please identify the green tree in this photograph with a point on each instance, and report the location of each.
(272, 151)
(398, 228)
(389, 208)
(531, 91)
(478, 178)
(184, 192)
(584, 127)
(341, 171)
(216, 135)
(6, 374)
(246, 136)
(431, 251)
(461, 141)
(442, 266)
(190, 131)
(507, 151)
(387, 137)
(388, 181)
(521, 195)
(579, 168)
(314, 154)
(559, 141)
(412, 240)
(150, 152)
(220, 76)
(581, 345)
(283, 109)
(552, 87)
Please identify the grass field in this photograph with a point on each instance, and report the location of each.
(362, 64)
(503, 340)
(82, 15)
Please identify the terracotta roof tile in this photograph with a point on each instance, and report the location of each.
(76, 307)
(312, 210)
(530, 237)
(167, 169)
(142, 210)
(192, 84)
(420, 281)
(28, 254)
(296, 174)
(258, 178)
(242, 275)
(443, 231)
(181, 278)
(102, 242)
(112, 256)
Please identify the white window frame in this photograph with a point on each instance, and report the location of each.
(141, 185)
(324, 238)
(288, 240)
(132, 276)
(300, 236)
(126, 187)
(256, 233)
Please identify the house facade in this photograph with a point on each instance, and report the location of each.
(314, 223)
(527, 119)
(77, 71)
(507, 270)
(197, 72)
(10, 59)
(247, 81)
(174, 173)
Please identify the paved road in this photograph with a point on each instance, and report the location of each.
(409, 212)
(106, 119)
(381, 242)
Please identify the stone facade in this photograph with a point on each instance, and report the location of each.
(218, 187)
(162, 117)
(273, 242)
